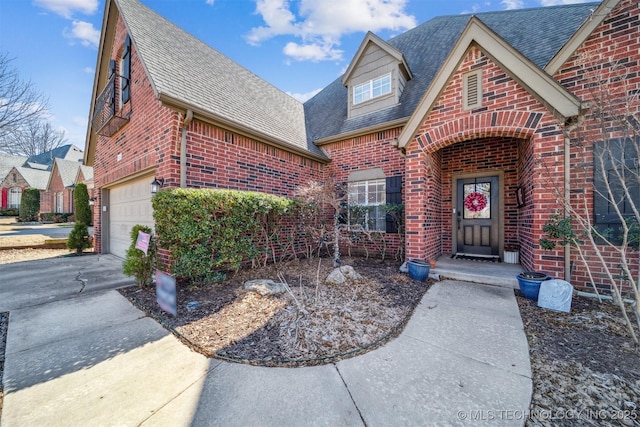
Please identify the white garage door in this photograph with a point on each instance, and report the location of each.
(130, 204)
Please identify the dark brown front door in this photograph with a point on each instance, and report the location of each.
(477, 213)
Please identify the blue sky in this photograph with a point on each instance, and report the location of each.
(298, 45)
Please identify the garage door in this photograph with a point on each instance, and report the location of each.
(130, 204)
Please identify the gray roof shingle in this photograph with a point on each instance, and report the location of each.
(34, 177)
(537, 33)
(8, 162)
(68, 171)
(185, 69)
(67, 152)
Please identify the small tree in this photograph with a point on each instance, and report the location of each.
(79, 238)
(331, 194)
(29, 205)
(81, 210)
(136, 263)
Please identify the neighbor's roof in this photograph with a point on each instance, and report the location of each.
(68, 171)
(8, 162)
(187, 73)
(537, 33)
(87, 172)
(34, 177)
(66, 152)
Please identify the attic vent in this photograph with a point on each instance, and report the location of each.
(472, 89)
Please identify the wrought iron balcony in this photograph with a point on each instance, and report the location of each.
(108, 117)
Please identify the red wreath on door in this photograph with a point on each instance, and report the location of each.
(475, 202)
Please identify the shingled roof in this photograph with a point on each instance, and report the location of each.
(66, 152)
(186, 72)
(537, 33)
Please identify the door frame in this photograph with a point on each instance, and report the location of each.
(454, 200)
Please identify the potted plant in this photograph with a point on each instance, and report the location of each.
(529, 283)
(419, 270)
(511, 255)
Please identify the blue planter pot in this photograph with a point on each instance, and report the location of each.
(529, 283)
(419, 270)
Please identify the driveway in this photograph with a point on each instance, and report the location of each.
(15, 234)
(78, 353)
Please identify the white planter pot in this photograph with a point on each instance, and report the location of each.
(512, 257)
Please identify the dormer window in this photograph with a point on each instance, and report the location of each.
(372, 89)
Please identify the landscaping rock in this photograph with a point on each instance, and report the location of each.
(342, 274)
(265, 287)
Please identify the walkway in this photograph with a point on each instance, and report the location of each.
(79, 354)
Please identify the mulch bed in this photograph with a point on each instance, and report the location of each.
(586, 369)
(312, 323)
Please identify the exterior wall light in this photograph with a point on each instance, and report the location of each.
(156, 185)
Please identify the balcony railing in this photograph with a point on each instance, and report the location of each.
(107, 116)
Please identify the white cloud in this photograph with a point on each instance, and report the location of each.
(210, 2)
(66, 8)
(321, 24)
(84, 32)
(559, 2)
(513, 4)
(89, 70)
(312, 52)
(302, 97)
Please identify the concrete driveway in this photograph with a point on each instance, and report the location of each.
(79, 354)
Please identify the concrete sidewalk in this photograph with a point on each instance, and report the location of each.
(88, 357)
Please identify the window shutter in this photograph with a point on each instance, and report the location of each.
(126, 70)
(112, 67)
(341, 190)
(393, 196)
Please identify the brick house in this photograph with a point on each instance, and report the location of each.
(474, 122)
(20, 172)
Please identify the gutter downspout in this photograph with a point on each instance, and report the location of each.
(183, 149)
(567, 195)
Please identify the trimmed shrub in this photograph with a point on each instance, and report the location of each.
(209, 231)
(29, 205)
(9, 212)
(56, 217)
(81, 208)
(79, 238)
(136, 263)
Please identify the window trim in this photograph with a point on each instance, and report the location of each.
(380, 220)
(468, 103)
(370, 87)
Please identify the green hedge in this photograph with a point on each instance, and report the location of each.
(29, 205)
(9, 212)
(207, 231)
(56, 217)
(82, 210)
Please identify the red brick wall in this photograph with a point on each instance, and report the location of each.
(217, 158)
(374, 150)
(605, 71)
(511, 120)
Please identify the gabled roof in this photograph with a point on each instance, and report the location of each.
(87, 173)
(537, 34)
(66, 152)
(185, 73)
(8, 162)
(538, 83)
(34, 177)
(67, 169)
(390, 50)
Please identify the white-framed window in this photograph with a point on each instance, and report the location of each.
(372, 89)
(15, 195)
(366, 204)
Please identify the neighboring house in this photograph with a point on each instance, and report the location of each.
(58, 196)
(20, 172)
(460, 118)
(11, 191)
(20, 178)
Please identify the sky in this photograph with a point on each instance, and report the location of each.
(299, 46)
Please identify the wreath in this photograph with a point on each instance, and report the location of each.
(475, 202)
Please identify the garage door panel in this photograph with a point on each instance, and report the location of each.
(130, 204)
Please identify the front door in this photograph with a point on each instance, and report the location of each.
(477, 216)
